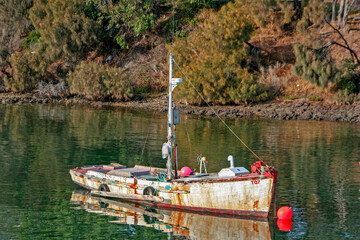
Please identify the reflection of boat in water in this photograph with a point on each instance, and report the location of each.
(177, 223)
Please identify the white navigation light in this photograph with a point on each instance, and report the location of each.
(175, 82)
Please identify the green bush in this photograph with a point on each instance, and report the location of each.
(124, 20)
(27, 69)
(63, 26)
(98, 81)
(314, 66)
(215, 59)
(313, 13)
(33, 37)
(349, 79)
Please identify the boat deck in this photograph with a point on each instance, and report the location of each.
(152, 174)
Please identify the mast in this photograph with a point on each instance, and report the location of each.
(173, 82)
(170, 109)
(170, 122)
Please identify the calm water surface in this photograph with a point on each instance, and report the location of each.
(318, 163)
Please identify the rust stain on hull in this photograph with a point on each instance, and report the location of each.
(256, 204)
(238, 196)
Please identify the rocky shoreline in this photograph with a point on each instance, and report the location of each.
(281, 109)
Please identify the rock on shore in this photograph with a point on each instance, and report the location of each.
(284, 110)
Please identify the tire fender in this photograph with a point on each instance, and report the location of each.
(104, 188)
(149, 191)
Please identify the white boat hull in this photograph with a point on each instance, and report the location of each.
(243, 195)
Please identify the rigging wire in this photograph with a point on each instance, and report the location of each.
(173, 26)
(147, 137)
(186, 77)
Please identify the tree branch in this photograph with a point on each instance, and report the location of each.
(352, 52)
(255, 47)
(5, 73)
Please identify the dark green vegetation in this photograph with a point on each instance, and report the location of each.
(317, 162)
(224, 46)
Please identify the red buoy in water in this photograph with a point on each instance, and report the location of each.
(185, 171)
(284, 213)
(284, 224)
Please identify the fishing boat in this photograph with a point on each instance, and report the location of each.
(174, 223)
(233, 190)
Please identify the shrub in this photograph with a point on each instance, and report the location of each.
(27, 69)
(350, 78)
(343, 96)
(14, 22)
(4, 56)
(98, 81)
(124, 20)
(313, 13)
(2, 86)
(314, 65)
(260, 11)
(68, 33)
(215, 59)
(32, 38)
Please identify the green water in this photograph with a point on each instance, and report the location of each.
(318, 163)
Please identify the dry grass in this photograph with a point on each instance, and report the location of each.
(52, 89)
(273, 77)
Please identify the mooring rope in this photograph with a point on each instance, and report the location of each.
(186, 77)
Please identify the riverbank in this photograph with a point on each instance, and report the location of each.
(277, 109)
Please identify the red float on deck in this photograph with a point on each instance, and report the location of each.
(185, 171)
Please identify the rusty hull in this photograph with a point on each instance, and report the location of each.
(247, 195)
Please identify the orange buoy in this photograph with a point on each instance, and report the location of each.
(284, 213)
(284, 224)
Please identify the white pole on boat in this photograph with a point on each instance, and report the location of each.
(173, 82)
(170, 110)
(170, 121)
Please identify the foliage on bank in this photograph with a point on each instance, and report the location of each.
(99, 82)
(215, 59)
(47, 43)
